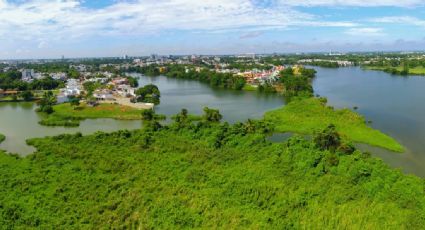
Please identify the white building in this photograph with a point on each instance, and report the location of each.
(28, 74)
(73, 88)
(125, 91)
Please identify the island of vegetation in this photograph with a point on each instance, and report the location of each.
(398, 66)
(306, 116)
(205, 174)
(67, 115)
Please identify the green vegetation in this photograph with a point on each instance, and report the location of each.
(306, 116)
(325, 64)
(222, 80)
(27, 95)
(11, 80)
(399, 65)
(2, 138)
(248, 87)
(46, 104)
(91, 86)
(297, 81)
(148, 94)
(70, 115)
(151, 70)
(399, 70)
(204, 175)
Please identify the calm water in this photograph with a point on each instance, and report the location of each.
(19, 121)
(194, 96)
(395, 104)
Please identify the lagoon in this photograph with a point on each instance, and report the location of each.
(19, 121)
(394, 104)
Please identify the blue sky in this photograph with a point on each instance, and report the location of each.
(92, 28)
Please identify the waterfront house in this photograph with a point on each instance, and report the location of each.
(103, 95)
(125, 90)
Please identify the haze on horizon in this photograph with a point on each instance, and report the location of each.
(78, 28)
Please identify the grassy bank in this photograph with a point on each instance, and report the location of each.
(309, 115)
(2, 138)
(207, 176)
(66, 115)
(248, 87)
(412, 71)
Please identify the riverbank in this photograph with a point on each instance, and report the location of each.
(420, 71)
(307, 116)
(67, 115)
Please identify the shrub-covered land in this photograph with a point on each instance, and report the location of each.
(67, 115)
(204, 174)
(309, 115)
(2, 138)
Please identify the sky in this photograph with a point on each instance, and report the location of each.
(96, 28)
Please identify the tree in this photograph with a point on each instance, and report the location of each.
(328, 139)
(132, 81)
(27, 95)
(405, 70)
(212, 115)
(47, 102)
(148, 94)
(182, 118)
(148, 115)
(90, 87)
(74, 101)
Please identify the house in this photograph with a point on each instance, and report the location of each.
(103, 95)
(119, 81)
(125, 91)
(59, 76)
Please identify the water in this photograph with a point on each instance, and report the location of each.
(194, 96)
(395, 105)
(19, 122)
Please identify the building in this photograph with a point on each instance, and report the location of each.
(28, 74)
(125, 91)
(72, 88)
(103, 95)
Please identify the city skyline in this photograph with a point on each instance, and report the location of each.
(50, 29)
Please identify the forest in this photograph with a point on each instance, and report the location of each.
(11, 80)
(205, 174)
(222, 80)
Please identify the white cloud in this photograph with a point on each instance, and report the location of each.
(45, 23)
(357, 3)
(42, 44)
(365, 32)
(68, 19)
(405, 20)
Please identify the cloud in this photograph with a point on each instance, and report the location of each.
(42, 45)
(405, 20)
(68, 19)
(357, 3)
(365, 32)
(52, 25)
(253, 34)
